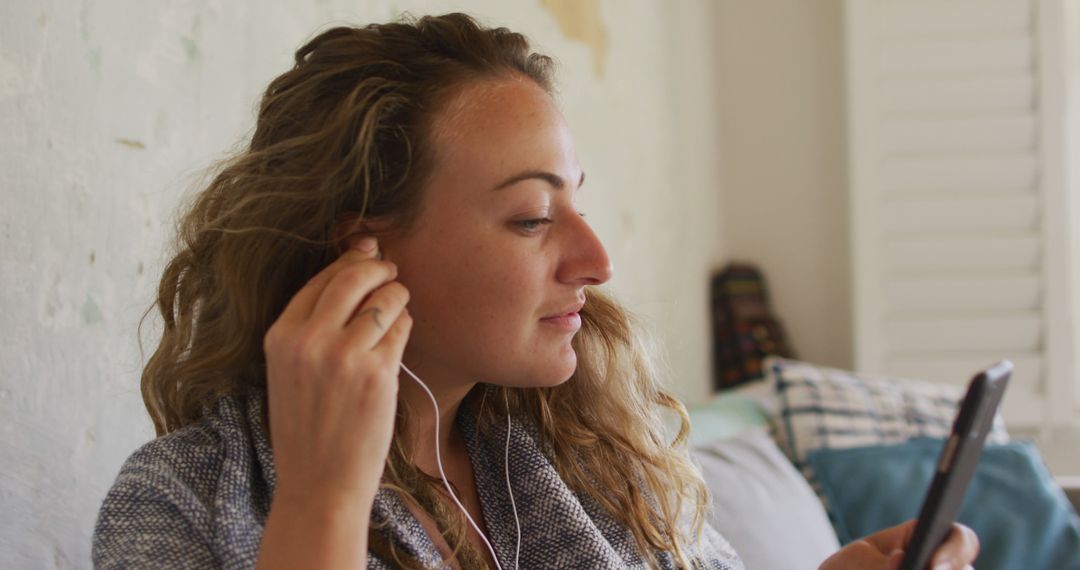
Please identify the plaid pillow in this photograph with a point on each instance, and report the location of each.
(826, 408)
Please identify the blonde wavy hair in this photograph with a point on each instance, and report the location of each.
(346, 132)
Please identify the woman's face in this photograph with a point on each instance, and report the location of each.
(499, 258)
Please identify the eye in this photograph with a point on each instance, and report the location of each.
(532, 225)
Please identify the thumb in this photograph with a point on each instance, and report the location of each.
(858, 554)
(365, 244)
(895, 559)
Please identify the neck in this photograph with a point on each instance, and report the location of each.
(420, 432)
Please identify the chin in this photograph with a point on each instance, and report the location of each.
(551, 372)
(565, 371)
(564, 378)
(534, 367)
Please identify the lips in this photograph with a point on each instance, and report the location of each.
(567, 310)
(566, 319)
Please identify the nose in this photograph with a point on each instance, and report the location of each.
(584, 259)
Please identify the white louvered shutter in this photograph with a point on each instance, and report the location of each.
(949, 177)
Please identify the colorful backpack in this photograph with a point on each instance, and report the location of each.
(745, 330)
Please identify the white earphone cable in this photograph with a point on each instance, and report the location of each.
(446, 482)
(506, 470)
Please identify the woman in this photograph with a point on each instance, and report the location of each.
(422, 164)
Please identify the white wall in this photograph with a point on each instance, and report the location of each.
(780, 65)
(109, 110)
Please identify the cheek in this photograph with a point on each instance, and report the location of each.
(496, 287)
(478, 289)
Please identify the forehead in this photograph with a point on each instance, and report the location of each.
(489, 129)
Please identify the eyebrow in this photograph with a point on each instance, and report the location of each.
(554, 180)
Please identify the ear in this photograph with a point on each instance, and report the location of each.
(350, 226)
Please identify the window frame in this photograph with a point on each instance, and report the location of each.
(1059, 22)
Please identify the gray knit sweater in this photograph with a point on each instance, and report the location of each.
(199, 498)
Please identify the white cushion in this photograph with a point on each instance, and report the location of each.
(762, 505)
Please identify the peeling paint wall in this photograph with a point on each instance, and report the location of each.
(110, 111)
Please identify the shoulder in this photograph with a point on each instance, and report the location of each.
(191, 463)
(163, 502)
(156, 509)
(182, 464)
(716, 551)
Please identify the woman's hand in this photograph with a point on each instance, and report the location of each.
(332, 362)
(332, 379)
(885, 549)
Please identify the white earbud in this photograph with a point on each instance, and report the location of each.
(506, 464)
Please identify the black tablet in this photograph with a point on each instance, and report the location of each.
(957, 464)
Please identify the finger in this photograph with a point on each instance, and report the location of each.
(959, 550)
(895, 560)
(892, 538)
(357, 250)
(374, 317)
(363, 243)
(347, 290)
(858, 554)
(300, 306)
(394, 341)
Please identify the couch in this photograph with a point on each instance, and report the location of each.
(809, 458)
